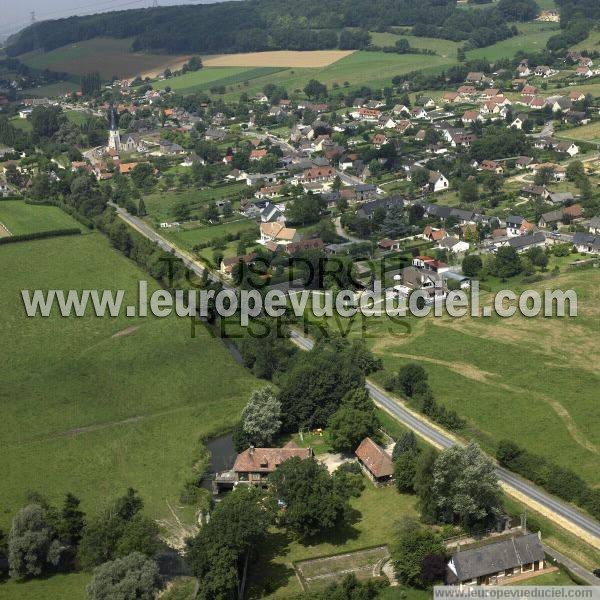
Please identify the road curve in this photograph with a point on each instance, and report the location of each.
(442, 440)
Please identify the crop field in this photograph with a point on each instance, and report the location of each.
(278, 58)
(94, 405)
(533, 381)
(374, 69)
(108, 56)
(208, 77)
(532, 38)
(20, 218)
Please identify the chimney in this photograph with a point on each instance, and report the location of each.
(251, 450)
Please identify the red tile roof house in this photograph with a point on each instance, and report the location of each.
(254, 465)
(258, 154)
(374, 461)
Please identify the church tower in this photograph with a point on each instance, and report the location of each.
(114, 139)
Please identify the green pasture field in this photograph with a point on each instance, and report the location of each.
(20, 218)
(533, 37)
(52, 90)
(212, 76)
(591, 43)
(108, 56)
(95, 405)
(376, 512)
(529, 380)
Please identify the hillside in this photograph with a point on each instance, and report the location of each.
(257, 25)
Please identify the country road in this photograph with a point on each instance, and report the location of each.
(438, 438)
(558, 511)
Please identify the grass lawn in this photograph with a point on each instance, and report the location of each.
(58, 587)
(188, 238)
(585, 133)
(533, 37)
(23, 124)
(108, 56)
(76, 116)
(94, 413)
(377, 509)
(558, 578)
(591, 43)
(20, 218)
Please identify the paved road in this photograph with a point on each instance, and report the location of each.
(427, 431)
(443, 440)
(163, 243)
(342, 232)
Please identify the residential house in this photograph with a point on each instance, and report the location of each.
(258, 154)
(476, 77)
(254, 465)
(277, 232)
(529, 91)
(586, 243)
(376, 463)
(496, 562)
(573, 212)
(492, 166)
(303, 245)
(524, 162)
(367, 210)
(550, 219)
(470, 116)
(227, 264)
(594, 225)
(524, 242)
(437, 181)
(513, 225)
(388, 245)
(560, 197)
(453, 244)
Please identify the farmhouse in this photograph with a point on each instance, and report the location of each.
(254, 465)
(374, 461)
(493, 563)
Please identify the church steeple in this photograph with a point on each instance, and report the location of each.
(114, 139)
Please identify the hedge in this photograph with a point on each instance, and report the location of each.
(39, 235)
(557, 480)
